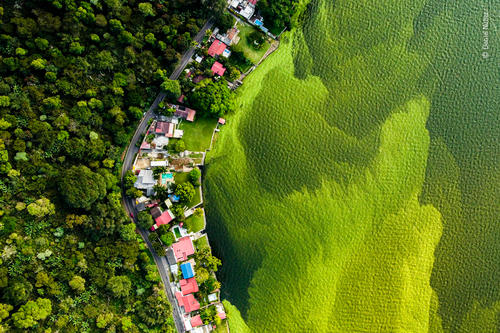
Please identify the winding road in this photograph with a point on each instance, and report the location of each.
(161, 261)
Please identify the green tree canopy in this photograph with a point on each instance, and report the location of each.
(81, 187)
(213, 98)
(30, 313)
(77, 283)
(41, 207)
(194, 176)
(144, 220)
(185, 191)
(171, 88)
(120, 285)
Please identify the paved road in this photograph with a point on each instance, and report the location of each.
(160, 261)
(189, 53)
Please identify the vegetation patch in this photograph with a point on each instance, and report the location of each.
(197, 134)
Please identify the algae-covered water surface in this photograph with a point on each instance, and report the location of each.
(356, 188)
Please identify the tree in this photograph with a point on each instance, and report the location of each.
(179, 146)
(213, 98)
(81, 187)
(104, 319)
(119, 285)
(30, 313)
(185, 192)
(171, 88)
(41, 207)
(194, 176)
(77, 283)
(144, 220)
(167, 239)
(127, 232)
(198, 212)
(178, 211)
(146, 9)
(205, 258)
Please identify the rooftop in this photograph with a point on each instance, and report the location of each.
(183, 248)
(188, 286)
(155, 212)
(216, 48)
(187, 270)
(144, 179)
(164, 218)
(218, 68)
(165, 127)
(196, 321)
(185, 113)
(188, 302)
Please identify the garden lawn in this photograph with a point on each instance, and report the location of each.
(243, 46)
(197, 135)
(202, 242)
(194, 223)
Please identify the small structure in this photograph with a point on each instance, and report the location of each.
(145, 181)
(216, 48)
(222, 121)
(226, 53)
(218, 69)
(188, 286)
(168, 203)
(220, 311)
(141, 206)
(159, 163)
(187, 270)
(230, 37)
(196, 321)
(212, 297)
(198, 59)
(183, 249)
(189, 303)
(145, 145)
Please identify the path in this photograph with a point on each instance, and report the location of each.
(132, 150)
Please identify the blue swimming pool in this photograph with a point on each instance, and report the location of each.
(166, 177)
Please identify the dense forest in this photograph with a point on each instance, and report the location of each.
(75, 77)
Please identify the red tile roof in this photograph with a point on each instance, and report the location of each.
(222, 315)
(222, 121)
(218, 69)
(216, 48)
(253, 2)
(188, 286)
(164, 218)
(183, 248)
(166, 128)
(196, 321)
(181, 98)
(188, 302)
(186, 113)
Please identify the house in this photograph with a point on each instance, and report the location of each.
(187, 270)
(185, 113)
(145, 181)
(183, 249)
(226, 53)
(181, 98)
(218, 69)
(216, 48)
(198, 59)
(212, 297)
(145, 145)
(196, 321)
(222, 121)
(230, 37)
(155, 212)
(163, 127)
(220, 311)
(188, 302)
(188, 286)
(164, 218)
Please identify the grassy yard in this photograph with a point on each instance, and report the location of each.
(182, 177)
(222, 328)
(243, 46)
(194, 223)
(201, 242)
(197, 134)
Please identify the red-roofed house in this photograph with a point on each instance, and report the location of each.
(164, 218)
(185, 113)
(222, 315)
(218, 69)
(188, 286)
(181, 98)
(222, 121)
(188, 302)
(216, 48)
(183, 249)
(196, 321)
(253, 2)
(165, 128)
